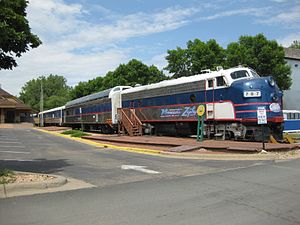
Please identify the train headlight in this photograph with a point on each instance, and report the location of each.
(275, 107)
(271, 81)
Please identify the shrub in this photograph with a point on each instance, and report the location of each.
(75, 133)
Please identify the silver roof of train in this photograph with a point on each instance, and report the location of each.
(91, 97)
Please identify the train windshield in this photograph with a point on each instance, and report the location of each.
(243, 73)
(239, 74)
(254, 74)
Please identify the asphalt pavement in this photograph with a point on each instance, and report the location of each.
(183, 191)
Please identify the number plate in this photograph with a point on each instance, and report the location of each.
(252, 94)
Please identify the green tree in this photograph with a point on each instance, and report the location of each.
(15, 37)
(295, 44)
(207, 55)
(132, 73)
(136, 72)
(56, 92)
(196, 57)
(178, 62)
(265, 56)
(86, 88)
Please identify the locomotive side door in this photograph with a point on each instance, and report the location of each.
(210, 98)
(116, 102)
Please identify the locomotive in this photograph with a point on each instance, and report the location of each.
(231, 96)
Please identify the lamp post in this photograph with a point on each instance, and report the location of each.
(42, 105)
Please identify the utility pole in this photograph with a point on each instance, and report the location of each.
(42, 105)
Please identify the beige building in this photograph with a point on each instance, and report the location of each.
(13, 110)
(291, 98)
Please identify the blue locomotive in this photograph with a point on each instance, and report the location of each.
(231, 96)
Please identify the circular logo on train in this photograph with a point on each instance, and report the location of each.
(275, 107)
(201, 110)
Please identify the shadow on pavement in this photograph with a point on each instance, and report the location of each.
(35, 165)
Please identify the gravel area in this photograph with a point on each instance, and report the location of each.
(27, 178)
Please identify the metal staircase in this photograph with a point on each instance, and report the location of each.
(129, 123)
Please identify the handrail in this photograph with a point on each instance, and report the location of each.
(129, 120)
(136, 121)
(126, 122)
(135, 117)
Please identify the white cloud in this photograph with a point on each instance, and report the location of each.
(54, 17)
(289, 18)
(288, 40)
(245, 11)
(279, 1)
(128, 26)
(81, 50)
(158, 60)
(47, 60)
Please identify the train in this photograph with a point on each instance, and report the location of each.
(231, 97)
(291, 121)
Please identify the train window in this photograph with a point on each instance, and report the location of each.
(193, 98)
(139, 103)
(254, 74)
(220, 81)
(131, 104)
(292, 116)
(210, 83)
(239, 74)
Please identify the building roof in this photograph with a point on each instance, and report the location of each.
(292, 53)
(9, 101)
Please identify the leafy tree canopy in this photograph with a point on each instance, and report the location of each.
(132, 73)
(263, 55)
(295, 44)
(196, 57)
(56, 92)
(15, 37)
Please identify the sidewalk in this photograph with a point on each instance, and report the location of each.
(58, 183)
(175, 144)
(16, 125)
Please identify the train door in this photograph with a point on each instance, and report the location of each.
(116, 102)
(210, 98)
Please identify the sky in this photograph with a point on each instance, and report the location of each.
(83, 39)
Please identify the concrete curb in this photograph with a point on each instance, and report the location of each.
(8, 190)
(102, 145)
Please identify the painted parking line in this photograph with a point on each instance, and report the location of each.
(10, 142)
(8, 139)
(11, 146)
(22, 160)
(15, 152)
(139, 168)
